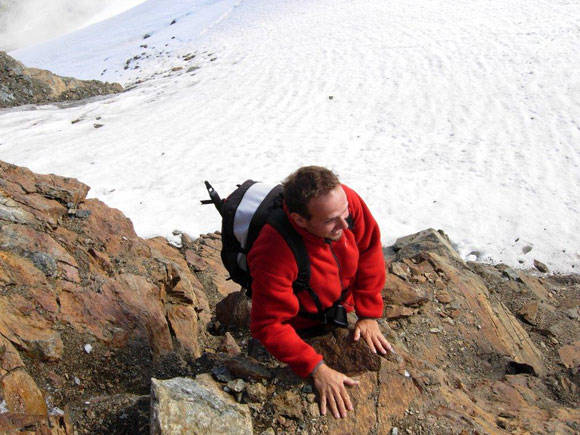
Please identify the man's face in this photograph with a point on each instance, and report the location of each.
(328, 214)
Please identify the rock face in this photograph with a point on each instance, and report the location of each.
(196, 406)
(20, 85)
(90, 313)
(73, 271)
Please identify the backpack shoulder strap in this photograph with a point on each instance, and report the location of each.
(279, 220)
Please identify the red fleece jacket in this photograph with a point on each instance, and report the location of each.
(360, 267)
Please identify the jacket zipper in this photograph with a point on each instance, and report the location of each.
(338, 265)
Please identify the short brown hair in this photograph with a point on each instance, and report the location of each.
(306, 183)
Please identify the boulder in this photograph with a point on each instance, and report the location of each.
(196, 406)
(234, 311)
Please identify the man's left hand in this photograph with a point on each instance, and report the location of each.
(369, 330)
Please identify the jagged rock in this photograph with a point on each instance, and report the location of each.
(572, 313)
(541, 266)
(399, 292)
(570, 355)
(237, 385)
(216, 278)
(444, 297)
(22, 395)
(530, 312)
(496, 326)
(234, 311)
(289, 404)
(392, 312)
(238, 366)
(256, 392)
(196, 406)
(9, 357)
(20, 85)
(90, 276)
(229, 345)
(400, 269)
(425, 241)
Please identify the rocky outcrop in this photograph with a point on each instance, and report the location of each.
(196, 406)
(468, 358)
(91, 312)
(20, 85)
(79, 289)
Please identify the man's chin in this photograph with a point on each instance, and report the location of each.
(335, 237)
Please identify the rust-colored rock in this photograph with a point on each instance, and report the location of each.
(399, 292)
(570, 355)
(392, 312)
(9, 357)
(183, 322)
(21, 394)
(530, 312)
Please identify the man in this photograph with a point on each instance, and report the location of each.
(342, 258)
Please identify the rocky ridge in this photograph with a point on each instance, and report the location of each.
(91, 313)
(20, 85)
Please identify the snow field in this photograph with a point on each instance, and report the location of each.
(462, 116)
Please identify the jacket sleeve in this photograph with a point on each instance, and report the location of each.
(371, 274)
(274, 303)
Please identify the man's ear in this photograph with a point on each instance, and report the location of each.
(300, 220)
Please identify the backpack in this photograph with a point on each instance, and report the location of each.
(244, 213)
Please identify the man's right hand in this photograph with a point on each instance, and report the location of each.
(331, 386)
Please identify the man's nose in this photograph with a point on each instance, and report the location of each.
(343, 224)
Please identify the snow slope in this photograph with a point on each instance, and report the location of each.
(460, 115)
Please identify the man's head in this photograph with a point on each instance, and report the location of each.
(316, 201)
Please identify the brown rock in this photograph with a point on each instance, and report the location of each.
(288, 404)
(144, 297)
(234, 311)
(196, 262)
(246, 368)
(400, 269)
(396, 393)
(344, 354)
(363, 419)
(9, 357)
(541, 266)
(530, 312)
(426, 241)
(257, 392)
(229, 345)
(22, 395)
(570, 355)
(444, 297)
(398, 292)
(392, 312)
(183, 322)
(102, 260)
(23, 326)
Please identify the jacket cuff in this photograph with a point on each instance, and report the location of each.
(313, 372)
